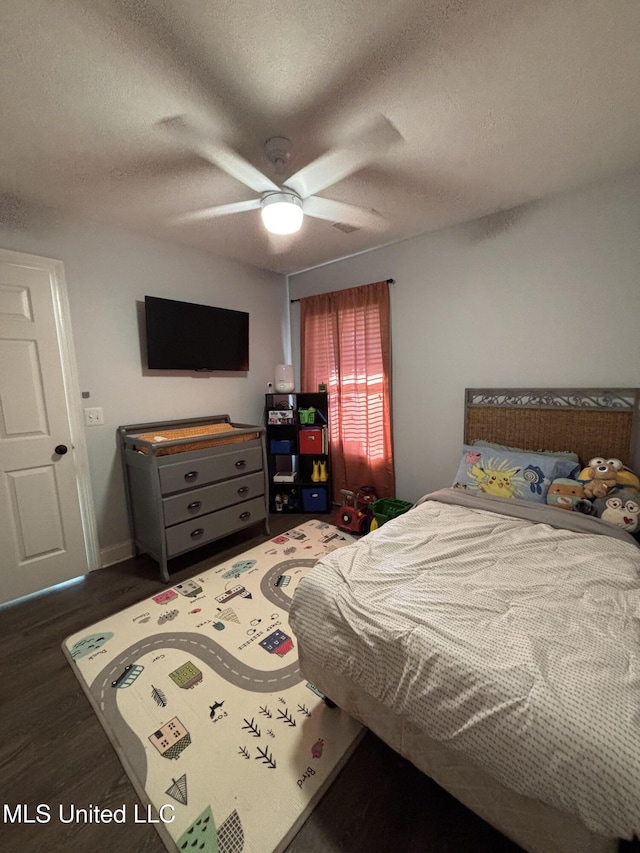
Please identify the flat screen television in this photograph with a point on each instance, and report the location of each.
(186, 336)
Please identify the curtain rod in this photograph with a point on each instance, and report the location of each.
(389, 281)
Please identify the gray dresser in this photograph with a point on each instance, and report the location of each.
(182, 493)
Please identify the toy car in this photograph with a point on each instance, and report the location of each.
(357, 516)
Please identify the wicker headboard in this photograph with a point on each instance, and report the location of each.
(590, 421)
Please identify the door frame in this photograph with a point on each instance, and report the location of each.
(62, 317)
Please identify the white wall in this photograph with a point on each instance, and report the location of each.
(544, 295)
(108, 273)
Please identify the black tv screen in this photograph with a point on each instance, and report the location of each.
(186, 336)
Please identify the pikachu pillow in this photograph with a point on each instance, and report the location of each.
(511, 474)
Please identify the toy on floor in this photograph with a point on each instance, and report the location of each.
(384, 509)
(357, 517)
(365, 497)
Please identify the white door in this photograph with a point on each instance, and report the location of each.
(41, 493)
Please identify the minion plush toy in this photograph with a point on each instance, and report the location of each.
(601, 476)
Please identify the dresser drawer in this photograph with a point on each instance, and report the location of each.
(198, 502)
(191, 534)
(177, 476)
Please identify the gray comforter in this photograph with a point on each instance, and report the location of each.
(514, 640)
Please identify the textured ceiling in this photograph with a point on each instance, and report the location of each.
(499, 103)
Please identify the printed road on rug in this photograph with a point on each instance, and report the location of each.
(199, 690)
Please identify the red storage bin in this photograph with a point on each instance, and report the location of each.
(310, 441)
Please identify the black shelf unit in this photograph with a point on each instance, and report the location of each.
(298, 444)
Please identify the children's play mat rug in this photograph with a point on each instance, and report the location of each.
(199, 690)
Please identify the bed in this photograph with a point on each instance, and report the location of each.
(496, 643)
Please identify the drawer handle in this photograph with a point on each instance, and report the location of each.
(197, 532)
(241, 463)
(243, 490)
(195, 505)
(191, 475)
(244, 515)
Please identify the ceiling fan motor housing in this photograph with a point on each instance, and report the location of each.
(278, 152)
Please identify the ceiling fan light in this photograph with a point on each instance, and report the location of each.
(282, 213)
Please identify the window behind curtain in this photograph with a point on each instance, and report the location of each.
(345, 342)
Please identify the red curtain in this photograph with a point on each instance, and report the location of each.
(345, 342)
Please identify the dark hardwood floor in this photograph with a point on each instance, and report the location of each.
(53, 749)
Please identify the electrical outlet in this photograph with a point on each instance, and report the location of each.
(93, 417)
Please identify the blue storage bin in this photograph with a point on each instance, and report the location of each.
(282, 445)
(315, 499)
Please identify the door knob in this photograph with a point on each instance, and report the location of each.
(61, 449)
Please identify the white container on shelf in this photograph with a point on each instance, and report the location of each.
(284, 378)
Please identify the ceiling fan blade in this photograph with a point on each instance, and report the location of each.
(220, 210)
(337, 164)
(217, 152)
(338, 211)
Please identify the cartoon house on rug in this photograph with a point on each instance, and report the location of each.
(188, 588)
(186, 676)
(277, 643)
(171, 739)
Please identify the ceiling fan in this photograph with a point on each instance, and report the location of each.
(284, 204)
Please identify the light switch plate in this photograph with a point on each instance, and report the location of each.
(93, 417)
